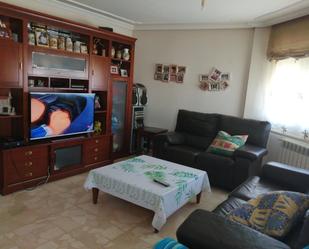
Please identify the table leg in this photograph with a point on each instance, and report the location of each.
(95, 194)
(198, 198)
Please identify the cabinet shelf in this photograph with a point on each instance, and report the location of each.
(55, 89)
(100, 111)
(10, 116)
(121, 60)
(119, 78)
(55, 51)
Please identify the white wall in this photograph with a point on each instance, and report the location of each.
(199, 51)
(66, 11)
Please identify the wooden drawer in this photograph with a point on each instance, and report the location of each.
(91, 159)
(96, 142)
(20, 165)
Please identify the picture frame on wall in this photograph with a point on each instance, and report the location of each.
(166, 69)
(165, 77)
(204, 77)
(180, 78)
(181, 69)
(41, 38)
(173, 69)
(159, 68)
(215, 75)
(114, 70)
(158, 76)
(225, 76)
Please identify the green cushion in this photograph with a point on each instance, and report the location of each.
(273, 214)
(225, 144)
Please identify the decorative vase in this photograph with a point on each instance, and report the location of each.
(119, 54)
(113, 51)
(126, 54)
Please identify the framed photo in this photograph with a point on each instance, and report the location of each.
(165, 77)
(203, 77)
(225, 76)
(158, 76)
(173, 77)
(179, 77)
(173, 69)
(114, 70)
(215, 75)
(214, 86)
(181, 69)
(41, 38)
(123, 73)
(166, 69)
(159, 68)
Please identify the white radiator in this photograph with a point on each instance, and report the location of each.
(294, 153)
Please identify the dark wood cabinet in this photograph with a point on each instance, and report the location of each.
(24, 164)
(100, 72)
(11, 63)
(27, 66)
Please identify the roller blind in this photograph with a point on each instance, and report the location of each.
(289, 39)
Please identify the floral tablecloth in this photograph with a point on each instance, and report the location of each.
(132, 180)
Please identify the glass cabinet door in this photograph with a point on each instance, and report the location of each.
(119, 114)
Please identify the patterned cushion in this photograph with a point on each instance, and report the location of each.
(225, 144)
(168, 243)
(273, 214)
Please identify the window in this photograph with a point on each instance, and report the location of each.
(287, 96)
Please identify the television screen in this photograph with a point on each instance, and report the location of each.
(60, 114)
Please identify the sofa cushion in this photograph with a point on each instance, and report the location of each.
(219, 168)
(227, 206)
(258, 131)
(182, 154)
(255, 186)
(273, 214)
(225, 144)
(196, 123)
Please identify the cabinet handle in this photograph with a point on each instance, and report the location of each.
(95, 158)
(28, 153)
(96, 150)
(28, 163)
(28, 174)
(96, 141)
(92, 72)
(20, 65)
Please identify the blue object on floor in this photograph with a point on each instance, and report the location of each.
(306, 247)
(169, 243)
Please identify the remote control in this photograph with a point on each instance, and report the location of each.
(165, 184)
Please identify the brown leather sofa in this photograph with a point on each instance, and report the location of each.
(194, 133)
(211, 230)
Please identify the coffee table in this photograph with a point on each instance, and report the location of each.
(132, 180)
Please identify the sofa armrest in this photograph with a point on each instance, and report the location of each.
(207, 230)
(161, 141)
(250, 152)
(295, 178)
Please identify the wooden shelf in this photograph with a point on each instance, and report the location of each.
(119, 78)
(10, 116)
(120, 60)
(56, 89)
(55, 51)
(100, 111)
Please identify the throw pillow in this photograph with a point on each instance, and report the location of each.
(225, 144)
(169, 243)
(273, 214)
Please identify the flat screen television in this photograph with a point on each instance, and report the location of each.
(60, 114)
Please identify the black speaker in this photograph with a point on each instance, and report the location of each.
(134, 96)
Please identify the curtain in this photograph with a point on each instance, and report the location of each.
(289, 39)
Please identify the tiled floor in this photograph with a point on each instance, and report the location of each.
(61, 215)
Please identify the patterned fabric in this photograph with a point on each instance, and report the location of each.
(169, 243)
(132, 180)
(225, 144)
(273, 214)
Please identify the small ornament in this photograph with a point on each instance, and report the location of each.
(119, 54)
(97, 127)
(113, 52)
(61, 43)
(69, 44)
(126, 54)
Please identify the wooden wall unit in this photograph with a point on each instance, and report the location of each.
(33, 163)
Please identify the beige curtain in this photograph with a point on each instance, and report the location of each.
(289, 39)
